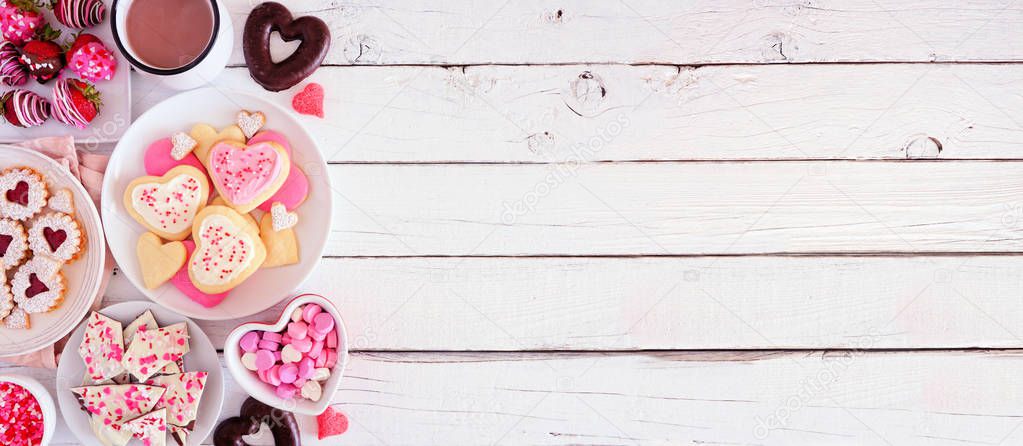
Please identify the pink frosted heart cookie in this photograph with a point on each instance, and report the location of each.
(13, 244)
(38, 285)
(247, 175)
(296, 186)
(56, 235)
(22, 193)
(159, 158)
(185, 285)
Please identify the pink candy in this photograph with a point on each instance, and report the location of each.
(313, 336)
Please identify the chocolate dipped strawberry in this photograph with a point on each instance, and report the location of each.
(23, 108)
(43, 57)
(75, 102)
(20, 20)
(79, 13)
(90, 59)
(12, 71)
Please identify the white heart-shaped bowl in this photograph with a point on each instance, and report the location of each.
(45, 403)
(265, 392)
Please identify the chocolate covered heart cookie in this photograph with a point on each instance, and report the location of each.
(268, 18)
(254, 413)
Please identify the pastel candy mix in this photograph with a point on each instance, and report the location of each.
(296, 360)
(21, 418)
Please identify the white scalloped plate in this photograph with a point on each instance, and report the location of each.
(83, 276)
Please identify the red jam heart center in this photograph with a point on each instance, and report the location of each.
(54, 238)
(5, 241)
(35, 286)
(19, 194)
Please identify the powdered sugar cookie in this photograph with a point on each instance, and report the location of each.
(206, 136)
(247, 175)
(166, 205)
(56, 235)
(38, 285)
(6, 298)
(17, 320)
(250, 122)
(13, 244)
(24, 193)
(62, 201)
(227, 250)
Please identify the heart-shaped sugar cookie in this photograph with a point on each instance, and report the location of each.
(167, 205)
(247, 175)
(227, 250)
(281, 244)
(250, 122)
(206, 136)
(158, 261)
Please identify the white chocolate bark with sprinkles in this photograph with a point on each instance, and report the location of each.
(145, 321)
(116, 404)
(102, 348)
(153, 349)
(151, 428)
(181, 399)
(179, 434)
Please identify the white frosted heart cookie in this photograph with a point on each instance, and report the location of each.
(23, 193)
(246, 175)
(227, 250)
(38, 285)
(167, 205)
(56, 235)
(13, 244)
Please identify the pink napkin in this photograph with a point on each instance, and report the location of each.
(88, 168)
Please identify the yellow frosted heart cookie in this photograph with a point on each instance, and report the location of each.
(227, 250)
(206, 136)
(275, 228)
(159, 261)
(168, 204)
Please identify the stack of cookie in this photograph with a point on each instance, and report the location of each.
(136, 384)
(38, 236)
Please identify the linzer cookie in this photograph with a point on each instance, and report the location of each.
(38, 285)
(181, 399)
(17, 320)
(151, 350)
(167, 205)
(24, 193)
(56, 235)
(102, 348)
(13, 243)
(6, 298)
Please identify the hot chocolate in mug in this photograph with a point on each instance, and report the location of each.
(184, 43)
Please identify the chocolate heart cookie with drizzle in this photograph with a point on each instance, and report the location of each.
(38, 285)
(22, 193)
(13, 244)
(56, 235)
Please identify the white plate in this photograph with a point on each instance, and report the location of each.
(213, 106)
(202, 357)
(115, 114)
(83, 276)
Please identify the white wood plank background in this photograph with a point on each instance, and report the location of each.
(641, 222)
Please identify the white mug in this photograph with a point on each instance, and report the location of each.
(196, 73)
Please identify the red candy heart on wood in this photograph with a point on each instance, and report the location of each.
(54, 238)
(263, 21)
(19, 194)
(331, 423)
(309, 101)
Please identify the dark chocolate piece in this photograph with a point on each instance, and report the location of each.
(281, 422)
(264, 20)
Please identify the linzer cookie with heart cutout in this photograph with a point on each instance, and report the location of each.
(271, 17)
(56, 235)
(23, 193)
(38, 285)
(13, 244)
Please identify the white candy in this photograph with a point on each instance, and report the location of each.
(320, 374)
(290, 355)
(312, 390)
(249, 361)
(297, 315)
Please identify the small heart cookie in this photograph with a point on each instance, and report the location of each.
(250, 123)
(247, 175)
(167, 205)
(206, 136)
(181, 145)
(17, 320)
(281, 218)
(158, 159)
(281, 245)
(158, 261)
(13, 244)
(62, 201)
(56, 235)
(23, 193)
(38, 285)
(227, 250)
